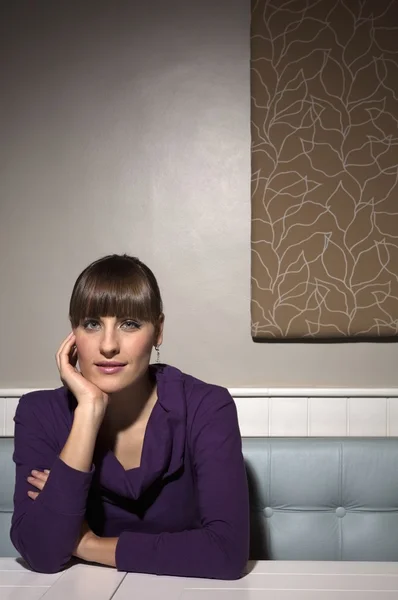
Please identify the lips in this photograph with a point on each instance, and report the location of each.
(110, 367)
(110, 363)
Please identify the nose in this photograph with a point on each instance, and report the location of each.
(109, 343)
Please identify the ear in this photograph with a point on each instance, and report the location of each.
(159, 331)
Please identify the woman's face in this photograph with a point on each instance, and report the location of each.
(115, 353)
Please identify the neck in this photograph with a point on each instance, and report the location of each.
(132, 405)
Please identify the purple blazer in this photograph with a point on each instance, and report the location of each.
(184, 511)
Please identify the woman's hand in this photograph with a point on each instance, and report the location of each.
(85, 392)
(38, 479)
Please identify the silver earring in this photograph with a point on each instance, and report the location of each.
(157, 354)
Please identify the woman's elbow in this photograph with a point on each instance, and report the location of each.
(42, 555)
(44, 567)
(230, 561)
(232, 569)
(39, 561)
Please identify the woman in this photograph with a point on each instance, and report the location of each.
(130, 465)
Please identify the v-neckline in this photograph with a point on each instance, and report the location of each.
(144, 444)
(163, 444)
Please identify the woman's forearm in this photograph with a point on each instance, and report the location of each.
(79, 447)
(101, 550)
(45, 530)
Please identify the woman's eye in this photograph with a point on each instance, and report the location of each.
(129, 324)
(91, 324)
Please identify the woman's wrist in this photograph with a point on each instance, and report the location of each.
(79, 447)
(87, 546)
(89, 415)
(93, 548)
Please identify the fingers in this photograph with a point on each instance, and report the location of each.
(65, 350)
(73, 379)
(73, 356)
(38, 479)
(33, 495)
(65, 342)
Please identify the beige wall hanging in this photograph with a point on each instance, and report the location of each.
(324, 86)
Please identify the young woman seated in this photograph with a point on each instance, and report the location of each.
(129, 464)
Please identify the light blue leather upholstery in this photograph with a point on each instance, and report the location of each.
(323, 498)
(7, 482)
(311, 498)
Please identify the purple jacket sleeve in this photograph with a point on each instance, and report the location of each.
(220, 547)
(45, 530)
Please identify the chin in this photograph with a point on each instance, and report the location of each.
(109, 384)
(111, 387)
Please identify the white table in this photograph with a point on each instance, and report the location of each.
(266, 580)
(80, 582)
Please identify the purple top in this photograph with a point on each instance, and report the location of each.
(184, 511)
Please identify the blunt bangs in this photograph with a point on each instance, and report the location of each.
(116, 286)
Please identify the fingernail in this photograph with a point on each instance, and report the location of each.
(47, 471)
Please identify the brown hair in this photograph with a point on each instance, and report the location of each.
(116, 285)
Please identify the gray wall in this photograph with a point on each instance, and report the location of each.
(125, 128)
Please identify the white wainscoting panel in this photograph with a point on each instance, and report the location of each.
(367, 417)
(10, 405)
(328, 416)
(392, 417)
(253, 416)
(288, 411)
(318, 416)
(288, 416)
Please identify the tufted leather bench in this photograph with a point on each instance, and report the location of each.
(7, 482)
(311, 498)
(323, 498)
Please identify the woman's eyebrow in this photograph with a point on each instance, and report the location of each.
(129, 318)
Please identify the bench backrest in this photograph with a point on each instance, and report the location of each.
(323, 498)
(311, 498)
(7, 482)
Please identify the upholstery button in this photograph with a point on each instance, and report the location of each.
(268, 511)
(341, 511)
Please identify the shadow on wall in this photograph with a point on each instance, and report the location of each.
(258, 537)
